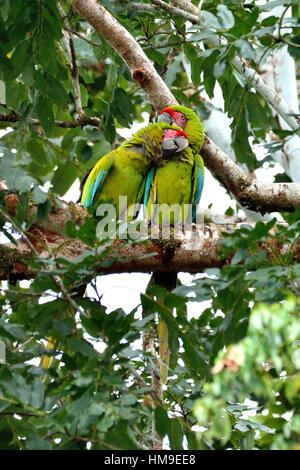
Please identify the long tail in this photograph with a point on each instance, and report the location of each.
(167, 280)
(46, 361)
(164, 350)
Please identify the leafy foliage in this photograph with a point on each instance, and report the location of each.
(241, 348)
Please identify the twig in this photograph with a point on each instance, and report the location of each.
(68, 39)
(172, 54)
(186, 5)
(83, 120)
(81, 36)
(194, 19)
(280, 38)
(80, 122)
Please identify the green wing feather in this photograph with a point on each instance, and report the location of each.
(96, 178)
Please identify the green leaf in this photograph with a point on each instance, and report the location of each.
(56, 92)
(119, 439)
(210, 20)
(37, 443)
(225, 16)
(82, 346)
(37, 393)
(43, 210)
(38, 196)
(175, 434)
(44, 113)
(162, 421)
(21, 55)
(196, 68)
(245, 49)
(86, 153)
(276, 3)
(123, 103)
(84, 95)
(156, 56)
(64, 177)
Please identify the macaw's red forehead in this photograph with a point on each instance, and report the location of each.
(169, 111)
(171, 133)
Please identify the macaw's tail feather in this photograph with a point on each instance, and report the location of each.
(46, 361)
(168, 280)
(164, 350)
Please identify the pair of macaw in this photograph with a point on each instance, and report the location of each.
(159, 165)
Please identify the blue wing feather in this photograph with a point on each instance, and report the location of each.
(97, 184)
(91, 189)
(198, 184)
(148, 185)
(96, 178)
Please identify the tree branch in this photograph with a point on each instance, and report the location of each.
(194, 249)
(81, 36)
(125, 45)
(250, 192)
(82, 120)
(69, 43)
(187, 6)
(173, 10)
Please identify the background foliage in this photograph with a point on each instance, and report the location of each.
(243, 346)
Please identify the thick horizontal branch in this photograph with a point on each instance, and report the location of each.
(192, 250)
(250, 192)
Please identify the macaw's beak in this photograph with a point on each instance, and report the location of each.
(176, 145)
(165, 117)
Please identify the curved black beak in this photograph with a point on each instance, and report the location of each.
(176, 145)
(165, 117)
(182, 143)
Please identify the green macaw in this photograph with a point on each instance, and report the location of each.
(176, 183)
(189, 179)
(122, 172)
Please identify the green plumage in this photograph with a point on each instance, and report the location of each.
(180, 180)
(193, 129)
(122, 172)
(171, 189)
